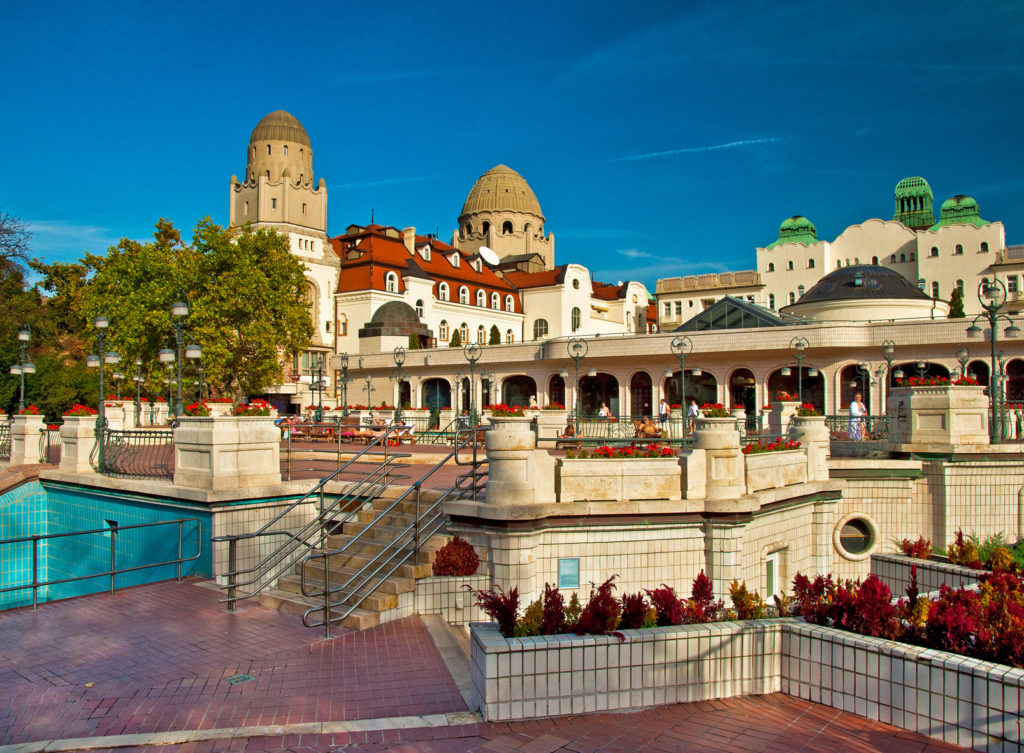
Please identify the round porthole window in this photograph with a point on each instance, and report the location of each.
(576, 284)
(855, 537)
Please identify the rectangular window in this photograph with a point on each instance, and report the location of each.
(569, 572)
(1011, 283)
(273, 203)
(771, 573)
(668, 309)
(679, 308)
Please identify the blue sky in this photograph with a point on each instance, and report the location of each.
(661, 138)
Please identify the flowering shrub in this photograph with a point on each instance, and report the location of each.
(218, 400)
(747, 604)
(553, 406)
(500, 409)
(779, 445)
(636, 612)
(807, 409)
(785, 397)
(501, 606)
(601, 614)
(80, 410)
(714, 410)
(920, 549)
(197, 409)
(160, 399)
(934, 381)
(256, 407)
(963, 551)
(457, 557)
(384, 406)
(609, 453)
(675, 406)
(32, 410)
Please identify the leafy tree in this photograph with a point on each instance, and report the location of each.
(956, 304)
(14, 241)
(495, 336)
(456, 341)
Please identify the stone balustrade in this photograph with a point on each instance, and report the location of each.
(939, 418)
(227, 452)
(25, 439)
(78, 435)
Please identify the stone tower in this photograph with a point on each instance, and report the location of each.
(914, 203)
(502, 213)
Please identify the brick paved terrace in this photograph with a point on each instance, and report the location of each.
(149, 666)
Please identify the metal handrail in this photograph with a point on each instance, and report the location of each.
(35, 585)
(375, 481)
(425, 524)
(5, 438)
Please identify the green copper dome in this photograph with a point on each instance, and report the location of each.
(959, 210)
(914, 200)
(796, 229)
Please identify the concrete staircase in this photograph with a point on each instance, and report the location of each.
(287, 596)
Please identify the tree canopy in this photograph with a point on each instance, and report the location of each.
(956, 304)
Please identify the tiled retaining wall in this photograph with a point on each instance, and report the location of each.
(447, 597)
(962, 701)
(894, 571)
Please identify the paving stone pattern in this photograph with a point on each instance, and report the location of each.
(157, 658)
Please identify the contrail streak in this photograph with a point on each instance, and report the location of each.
(691, 149)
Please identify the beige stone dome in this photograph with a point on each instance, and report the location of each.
(280, 126)
(501, 189)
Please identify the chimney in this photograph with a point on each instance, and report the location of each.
(409, 236)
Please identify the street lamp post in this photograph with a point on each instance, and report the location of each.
(24, 366)
(318, 371)
(368, 389)
(922, 367)
(167, 358)
(399, 356)
(179, 311)
(138, 390)
(798, 347)
(863, 372)
(577, 348)
(344, 383)
(194, 352)
(472, 354)
(995, 292)
(101, 324)
(963, 356)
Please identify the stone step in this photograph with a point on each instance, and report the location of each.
(297, 604)
(375, 602)
(395, 583)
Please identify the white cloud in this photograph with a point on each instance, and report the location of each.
(62, 239)
(633, 253)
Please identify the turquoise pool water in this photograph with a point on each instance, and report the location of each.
(48, 508)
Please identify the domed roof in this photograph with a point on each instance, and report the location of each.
(394, 312)
(796, 229)
(959, 210)
(960, 202)
(280, 126)
(501, 189)
(863, 281)
(914, 186)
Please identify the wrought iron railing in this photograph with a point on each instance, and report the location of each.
(135, 453)
(50, 444)
(861, 435)
(111, 533)
(5, 439)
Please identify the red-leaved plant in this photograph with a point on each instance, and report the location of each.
(634, 611)
(667, 605)
(553, 621)
(457, 557)
(702, 606)
(500, 605)
(920, 549)
(601, 614)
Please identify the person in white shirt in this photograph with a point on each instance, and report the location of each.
(857, 413)
(663, 411)
(604, 412)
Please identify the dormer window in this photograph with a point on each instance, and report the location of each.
(425, 252)
(495, 301)
(464, 295)
(442, 291)
(481, 299)
(392, 282)
(454, 259)
(509, 304)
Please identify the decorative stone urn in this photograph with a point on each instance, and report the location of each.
(780, 415)
(25, 439)
(227, 452)
(939, 415)
(812, 434)
(676, 424)
(78, 435)
(519, 474)
(724, 461)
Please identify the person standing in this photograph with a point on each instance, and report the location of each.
(604, 412)
(663, 412)
(857, 413)
(692, 414)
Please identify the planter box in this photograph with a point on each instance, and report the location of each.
(78, 435)
(894, 570)
(557, 675)
(448, 597)
(773, 470)
(551, 423)
(25, 439)
(779, 416)
(962, 701)
(220, 409)
(943, 415)
(619, 479)
(227, 452)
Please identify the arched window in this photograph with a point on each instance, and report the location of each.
(575, 318)
(442, 291)
(984, 247)
(892, 259)
(464, 332)
(469, 228)
(935, 290)
(463, 294)
(392, 282)
(509, 337)
(540, 329)
(912, 256)
(874, 260)
(771, 266)
(790, 265)
(481, 299)
(771, 301)
(792, 298)
(486, 227)
(810, 263)
(481, 334)
(509, 305)
(506, 228)
(442, 330)
(839, 264)
(959, 249)
(495, 301)
(903, 257)
(934, 251)
(419, 307)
